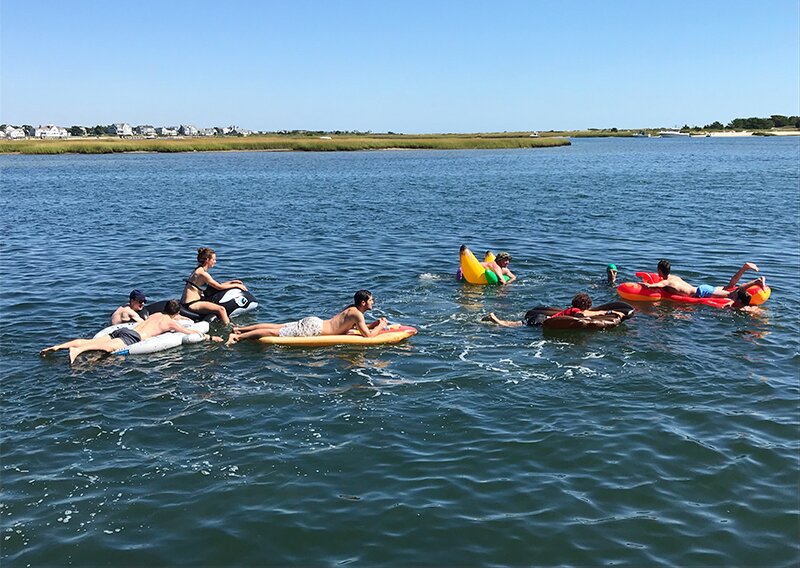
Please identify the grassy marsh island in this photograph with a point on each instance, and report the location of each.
(109, 145)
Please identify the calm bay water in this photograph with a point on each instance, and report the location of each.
(671, 440)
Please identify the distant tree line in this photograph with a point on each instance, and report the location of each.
(752, 123)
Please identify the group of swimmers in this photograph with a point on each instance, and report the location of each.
(737, 295)
(352, 317)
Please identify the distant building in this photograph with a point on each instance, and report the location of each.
(50, 131)
(236, 131)
(145, 130)
(120, 129)
(187, 130)
(207, 132)
(13, 132)
(166, 131)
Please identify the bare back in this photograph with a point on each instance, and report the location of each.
(344, 321)
(157, 324)
(679, 285)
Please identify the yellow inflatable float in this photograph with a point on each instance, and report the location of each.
(392, 333)
(473, 271)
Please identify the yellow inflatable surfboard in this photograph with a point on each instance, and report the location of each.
(393, 333)
(472, 270)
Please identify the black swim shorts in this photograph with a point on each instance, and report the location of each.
(128, 336)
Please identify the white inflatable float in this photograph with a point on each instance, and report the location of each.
(159, 342)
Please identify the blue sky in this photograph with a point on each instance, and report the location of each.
(403, 66)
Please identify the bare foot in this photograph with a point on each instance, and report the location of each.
(751, 266)
(215, 338)
(73, 354)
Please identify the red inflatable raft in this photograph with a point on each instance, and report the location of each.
(636, 292)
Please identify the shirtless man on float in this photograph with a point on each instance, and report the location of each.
(736, 294)
(352, 317)
(156, 324)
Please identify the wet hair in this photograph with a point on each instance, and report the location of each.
(204, 254)
(503, 256)
(361, 296)
(172, 307)
(582, 301)
(663, 267)
(743, 297)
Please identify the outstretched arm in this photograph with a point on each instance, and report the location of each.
(372, 329)
(490, 317)
(175, 326)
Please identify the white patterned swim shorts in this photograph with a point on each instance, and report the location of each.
(306, 327)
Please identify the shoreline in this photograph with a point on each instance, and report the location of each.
(278, 144)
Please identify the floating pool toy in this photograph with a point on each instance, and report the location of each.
(235, 301)
(161, 342)
(473, 271)
(637, 292)
(393, 333)
(543, 315)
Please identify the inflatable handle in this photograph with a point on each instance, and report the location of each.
(649, 277)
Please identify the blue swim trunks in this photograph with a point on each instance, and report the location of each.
(704, 291)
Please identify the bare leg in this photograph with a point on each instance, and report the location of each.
(211, 308)
(60, 346)
(255, 334)
(745, 267)
(107, 344)
(505, 323)
(729, 293)
(255, 326)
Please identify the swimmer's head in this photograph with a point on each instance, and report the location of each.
(663, 267)
(611, 268)
(204, 254)
(502, 256)
(362, 296)
(743, 297)
(172, 307)
(582, 301)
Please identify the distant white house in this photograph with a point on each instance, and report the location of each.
(166, 131)
(145, 130)
(187, 130)
(50, 131)
(13, 132)
(207, 132)
(236, 131)
(120, 129)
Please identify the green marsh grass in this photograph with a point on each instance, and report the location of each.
(278, 143)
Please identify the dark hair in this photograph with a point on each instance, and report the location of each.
(172, 307)
(582, 301)
(663, 267)
(743, 297)
(361, 296)
(204, 254)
